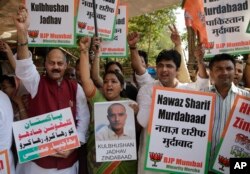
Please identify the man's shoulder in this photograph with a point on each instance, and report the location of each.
(102, 132)
(148, 88)
(234, 89)
(152, 84)
(5, 103)
(102, 127)
(4, 97)
(240, 91)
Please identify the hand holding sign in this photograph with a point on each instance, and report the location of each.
(46, 134)
(134, 106)
(63, 154)
(96, 41)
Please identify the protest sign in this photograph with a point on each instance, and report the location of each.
(235, 140)
(105, 16)
(179, 131)
(114, 131)
(39, 136)
(4, 162)
(118, 46)
(52, 23)
(227, 24)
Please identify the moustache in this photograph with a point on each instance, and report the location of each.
(55, 71)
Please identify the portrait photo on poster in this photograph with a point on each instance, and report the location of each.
(114, 131)
(114, 121)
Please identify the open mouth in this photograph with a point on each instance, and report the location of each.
(164, 75)
(109, 91)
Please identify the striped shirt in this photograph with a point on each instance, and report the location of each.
(222, 110)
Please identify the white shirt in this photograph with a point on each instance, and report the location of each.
(26, 71)
(6, 119)
(106, 133)
(143, 79)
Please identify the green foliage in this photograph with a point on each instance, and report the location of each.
(153, 29)
(154, 33)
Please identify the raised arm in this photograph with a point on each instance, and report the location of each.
(25, 69)
(136, 63)
(22, 22)
(199, 55)
(95, 68)
(6, 48)
(183, 74)
(87, 83)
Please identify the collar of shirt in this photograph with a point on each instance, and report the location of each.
(232, 89)
(111, 132)
(176, 81)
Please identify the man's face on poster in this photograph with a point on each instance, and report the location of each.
(117, 117)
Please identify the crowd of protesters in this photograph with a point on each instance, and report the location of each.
(27, 94)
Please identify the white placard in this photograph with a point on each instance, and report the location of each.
(228, 26)
(118, 46)
(52, 22)
(39, 136)
(109, 145)
(179, 131)
(105, 16)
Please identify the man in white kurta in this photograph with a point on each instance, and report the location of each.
(167, 63)
(26, 71)
(6, 119)
(55, 65)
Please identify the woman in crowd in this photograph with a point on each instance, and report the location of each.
(111, 91)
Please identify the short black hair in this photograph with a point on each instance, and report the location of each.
(144, 55)
(169, 55)
(221, 57)
(112, 63)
